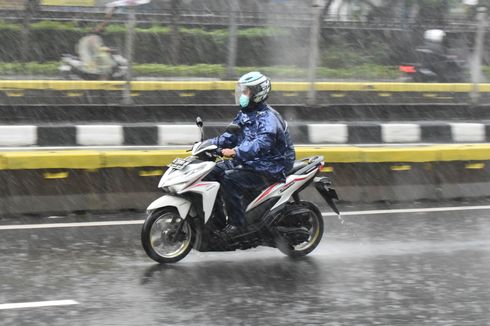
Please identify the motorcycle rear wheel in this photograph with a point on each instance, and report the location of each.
(163, 239)
(315, 229)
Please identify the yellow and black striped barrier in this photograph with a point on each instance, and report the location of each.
(80, 180)
(103, 159)
(221, 92)
(144, 86)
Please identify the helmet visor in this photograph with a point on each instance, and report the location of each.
(239, 90)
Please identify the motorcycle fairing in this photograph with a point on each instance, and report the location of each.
(208, 191)
(283, 190)
(183, 205)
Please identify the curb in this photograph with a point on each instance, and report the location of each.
(181, 134)
(101, 159)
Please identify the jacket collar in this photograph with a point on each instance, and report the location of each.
(260, 107)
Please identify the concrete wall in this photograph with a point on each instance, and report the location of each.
(60, 182)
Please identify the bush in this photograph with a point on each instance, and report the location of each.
(216, 71)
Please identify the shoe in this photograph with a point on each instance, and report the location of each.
(230, 231)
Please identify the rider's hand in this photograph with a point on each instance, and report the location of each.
(228, 152)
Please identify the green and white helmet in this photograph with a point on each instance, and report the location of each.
(258, 83)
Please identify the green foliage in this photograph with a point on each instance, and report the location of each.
(29, 68)
(262, 32)
(9, 26)
(116, 29)
(201, 70)
(59, 26)
(367, 71)
(156, 29)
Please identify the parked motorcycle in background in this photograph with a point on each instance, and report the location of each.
(434, 64)
(95, 61)
(189, 214)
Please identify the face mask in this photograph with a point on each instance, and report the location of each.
(244, 100)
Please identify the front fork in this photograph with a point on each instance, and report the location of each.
(324, 187)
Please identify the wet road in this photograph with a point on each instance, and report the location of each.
(381, 268)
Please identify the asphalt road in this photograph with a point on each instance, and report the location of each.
(383, 267)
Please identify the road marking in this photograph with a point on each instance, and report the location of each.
(411, 210)
(37, 304)
(345, 213)
(68, 225)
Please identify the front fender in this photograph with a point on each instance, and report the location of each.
(183, 205)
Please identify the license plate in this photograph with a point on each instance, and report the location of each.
(179, 164)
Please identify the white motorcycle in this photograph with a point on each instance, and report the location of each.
(190, 214)
(72, 67)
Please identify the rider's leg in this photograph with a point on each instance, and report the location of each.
(217, 174)
(236, 184)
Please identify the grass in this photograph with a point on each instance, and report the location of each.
(366, 71)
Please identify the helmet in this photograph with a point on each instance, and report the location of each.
(434, 35)
(259, 84)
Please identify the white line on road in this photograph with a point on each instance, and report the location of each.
(68, 225)
(411, 210)
(37, 304)
(348, 213)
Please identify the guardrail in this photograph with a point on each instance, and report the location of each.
(19, 92)
(43, 182)
(298, 19)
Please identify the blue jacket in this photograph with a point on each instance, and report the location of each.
(263, 144)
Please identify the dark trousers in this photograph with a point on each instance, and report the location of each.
(239, 186)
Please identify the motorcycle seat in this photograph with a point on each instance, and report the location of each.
(298, 165)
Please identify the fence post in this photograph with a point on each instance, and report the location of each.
(129, 53)
(232, 40)
(29, 7)
(477, 54)
(317, 7)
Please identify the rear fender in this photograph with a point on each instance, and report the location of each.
(324, 187)
(182, 205)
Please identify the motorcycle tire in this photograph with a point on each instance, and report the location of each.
(164, 239)
(316, 230)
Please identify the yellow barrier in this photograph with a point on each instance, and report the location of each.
(67, 85)
(76, 3)
(89, 159)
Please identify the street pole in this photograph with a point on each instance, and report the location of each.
(317, 6)
(28, 11)
(232, 40)
(477, 54)
(129, 53)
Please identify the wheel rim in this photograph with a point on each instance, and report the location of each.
(314, 232)
(162, 236)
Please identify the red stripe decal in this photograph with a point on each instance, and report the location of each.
(198, 185)
(266, 192)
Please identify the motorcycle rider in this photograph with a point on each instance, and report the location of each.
(261, 153)
(95, 56)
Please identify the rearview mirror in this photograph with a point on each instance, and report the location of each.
(199, 122)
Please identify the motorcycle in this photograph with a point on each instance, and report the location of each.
(190, 214)
(434, 63)
(72, 67)
(98, 61)
(434, 68)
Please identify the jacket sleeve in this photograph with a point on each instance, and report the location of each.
(227, 140)
(261, 144)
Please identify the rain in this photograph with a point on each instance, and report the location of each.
(131, 131)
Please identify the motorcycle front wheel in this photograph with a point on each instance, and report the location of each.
(315, 226)
(166, 237)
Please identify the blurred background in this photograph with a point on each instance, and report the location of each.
(96, 98)
(357, 39)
